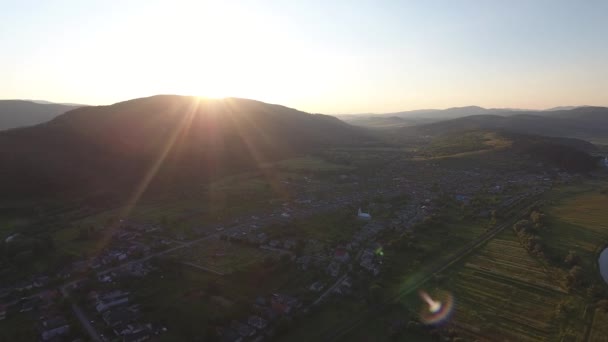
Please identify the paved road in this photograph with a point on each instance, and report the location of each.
(341, 330)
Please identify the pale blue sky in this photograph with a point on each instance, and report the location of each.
(318, 56)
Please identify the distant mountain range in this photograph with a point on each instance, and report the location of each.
(590, 123)
(20, 113)
(425, 116)
(186, 140)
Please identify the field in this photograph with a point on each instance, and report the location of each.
(599, 329)
(579, 223)
(504, 292)
(18, 328)
(407, 259)
(221, 257)
(462, 144)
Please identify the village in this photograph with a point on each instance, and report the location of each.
(391, 201)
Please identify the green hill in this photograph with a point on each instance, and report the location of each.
(180, 140)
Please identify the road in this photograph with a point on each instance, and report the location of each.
(343, 329)
(329, 290)
(342, 202)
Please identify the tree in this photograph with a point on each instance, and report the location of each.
(521, 226)
(572, 259)
(576, 272)
(537, 218)
(574, 277)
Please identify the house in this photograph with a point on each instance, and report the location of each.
(303, 262)
(364, 216)
(119, 316)
(317, 286)
(111, 299)
(139, 336)
(333, 269)
(463, 199)
(54, 332)
(242, 329)
(341, 255)
(257, 322)
(284, 304)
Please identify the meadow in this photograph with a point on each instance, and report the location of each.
(503, 291)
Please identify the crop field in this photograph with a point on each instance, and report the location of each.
(579, 223)
(599, 328)
(502, 291)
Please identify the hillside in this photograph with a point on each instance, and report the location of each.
(420, 116)
(19, 113)
(186, 139)
(589, 123)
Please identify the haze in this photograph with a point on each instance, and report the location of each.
(330, 57)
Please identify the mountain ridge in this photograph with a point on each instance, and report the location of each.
(187, 138)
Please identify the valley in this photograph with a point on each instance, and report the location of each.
(331, 241)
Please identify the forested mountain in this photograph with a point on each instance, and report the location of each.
(185, 139)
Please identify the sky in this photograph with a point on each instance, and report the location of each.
(332, 57)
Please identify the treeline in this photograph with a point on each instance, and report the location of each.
(527, 233)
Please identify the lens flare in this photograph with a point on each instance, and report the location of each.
(436, 310)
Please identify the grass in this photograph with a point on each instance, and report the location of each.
(18, 328)
(503, 291)
(599, 328)
(431, 245)
(463, 144)
(332, 314)
(222, 256)
(180, 301)
(332, 227)
(308, 164)
(8, 225)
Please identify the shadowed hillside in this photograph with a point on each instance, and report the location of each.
(113, 148)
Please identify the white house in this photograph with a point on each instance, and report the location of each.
(363, 215)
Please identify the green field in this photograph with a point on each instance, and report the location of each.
(503, 291)
(407, 259)
(461, 144)
(221, 256)
(18, 328)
